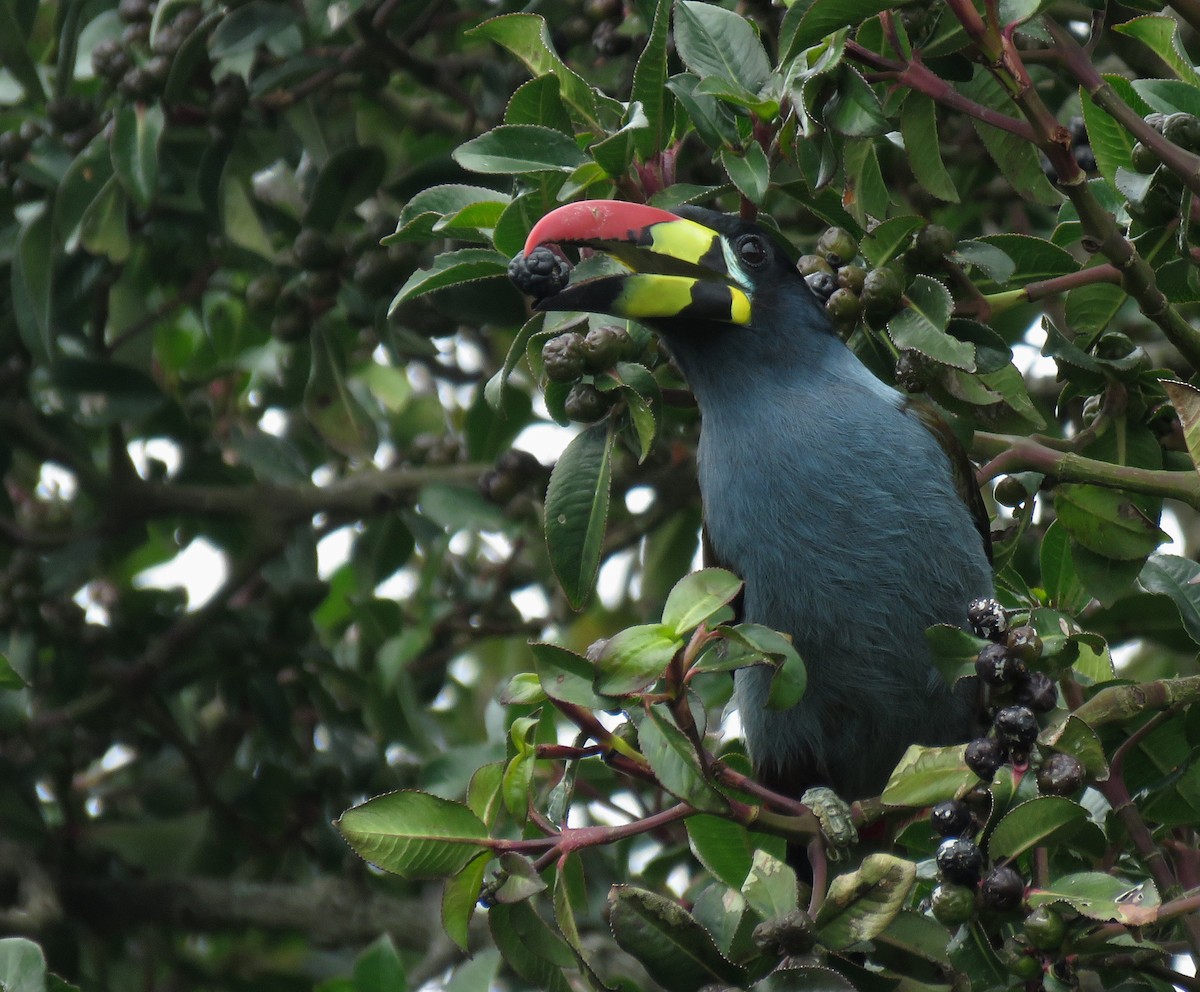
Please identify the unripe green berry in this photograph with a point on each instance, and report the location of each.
(1010, 492)
(808, 264)
(313, 250)
(933, 242)
(837, 246)
(843, 306)
(881, 292)
(952, 905)
(1144, 159)
(263, 291)
(1044, 929)
(851, 277)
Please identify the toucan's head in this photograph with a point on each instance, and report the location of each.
(710, 282)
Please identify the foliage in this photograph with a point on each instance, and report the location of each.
(207, 346)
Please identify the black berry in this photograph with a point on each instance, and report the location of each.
(996, 665)
(1016, 726)
(563, 357)
(1003, 889)
(585, 403)
(498, 487)
(951, 818)
(1024, 642)
(1038, 692)
(521, 465)
(543, 272)
(984, 756)
(960, 861)
(987, 618)
(110, 60)
(822, 284)
(1060, 775)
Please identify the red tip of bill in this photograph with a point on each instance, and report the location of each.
(595, 220)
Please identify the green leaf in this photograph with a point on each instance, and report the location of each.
(15, 57)
(1106, 521)
(348, 177)
(9, 678)
(513, 148)
(521, 879)
(713, 41)
(414, 834)
(1185, 398)
(246, 27)
(771, 888)
(954, 650)
(1059, 577)
(674, 761)
(854, 109)
(137, 128)
(1046, 820)
(104, 226)
(1168, 96)
(379, 968)
(1090, 309)
(634, 657)
(534, 951)
(1016, 157)
(22, 966)
(32, 283)
(889, 239)
(614, 154)
(567, 676)
(921, 326)
(677, 952)
(1109, 141)
(528, 38)
(722, 846)
(791, 677)
(451, 268)
(539, 101)
(1101, 897)
(430, 209)
(712, 119)
(650, 85)
(860, 904)
(824, 17)
(1107, 579)
(577, 511)
(1179, 579)
(239, 218)
(1035, 258)
(918, 126)
(750, 172)
(696, 597)
(331, 407)
(1161, 35)
(927, 775)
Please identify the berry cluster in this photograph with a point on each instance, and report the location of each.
(1160, 201)
(515, 471)
(571, 356)
(324, 263)
(1017, 694)
(962, 885)
(834, 279)
(136, 66)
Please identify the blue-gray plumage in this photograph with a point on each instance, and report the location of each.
(822, 489)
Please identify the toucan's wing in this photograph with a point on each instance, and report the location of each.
(961, 469)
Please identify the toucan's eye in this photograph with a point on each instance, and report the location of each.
(752, 250)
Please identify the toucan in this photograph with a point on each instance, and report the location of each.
(846, 508)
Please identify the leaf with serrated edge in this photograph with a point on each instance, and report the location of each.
(577, 511)
(1179, 579)
(1102, 897)
(697, 596)
(678, 953)
(927, 775)
(451, 269)
(1044, 820)
(674, 761)
(634, 657)
(414, 834)
(921, 326)
(860, 904)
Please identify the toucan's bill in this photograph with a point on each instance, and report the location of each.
(678, 267)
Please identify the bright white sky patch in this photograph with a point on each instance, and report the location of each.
(200, 569)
